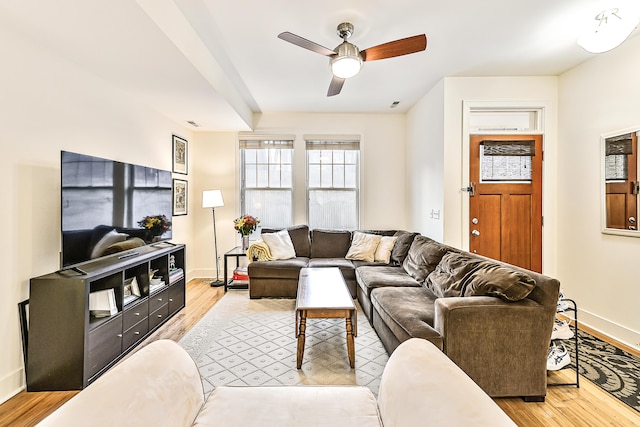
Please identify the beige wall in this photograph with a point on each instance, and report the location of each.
(382, 166)
(49, 105)
(425, 164)
(600, 271)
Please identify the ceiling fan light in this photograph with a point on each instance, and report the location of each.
(348, 61)
(609, 31)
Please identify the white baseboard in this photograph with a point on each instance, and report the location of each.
(611, 329)
(12, 384)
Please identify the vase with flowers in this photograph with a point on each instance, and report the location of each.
(245, 225)
(155, 226)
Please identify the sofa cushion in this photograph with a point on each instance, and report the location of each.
(299, 237)
(495, 280)
(447, 278)
(370, 278)
(277, 406)
(363, 246)
(279, 269)
(280, 244)
(358, 263)
(379, 232)
(407, 312)
(423, 257)
(346, 266)
(463, 275)
(401, 247)
(383, 251)
(330, 243)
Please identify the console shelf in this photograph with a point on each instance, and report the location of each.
(69, 346)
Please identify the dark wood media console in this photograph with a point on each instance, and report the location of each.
(68, 346)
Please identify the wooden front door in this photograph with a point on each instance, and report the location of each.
(621, 174)
(505, 205)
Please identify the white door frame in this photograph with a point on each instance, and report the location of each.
(542, 108)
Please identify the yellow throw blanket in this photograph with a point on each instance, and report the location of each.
(259, 251)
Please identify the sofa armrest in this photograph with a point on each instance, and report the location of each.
(158, 385)
(420, 386)
(501, 345)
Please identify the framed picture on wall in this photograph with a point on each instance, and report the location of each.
(180, 194)
(180, 155)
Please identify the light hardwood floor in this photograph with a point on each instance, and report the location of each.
(588, 405)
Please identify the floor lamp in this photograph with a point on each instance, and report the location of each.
(213, 199)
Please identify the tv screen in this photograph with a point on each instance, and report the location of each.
(110, 207)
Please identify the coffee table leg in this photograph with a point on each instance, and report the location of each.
(303, 327)
(350, 345)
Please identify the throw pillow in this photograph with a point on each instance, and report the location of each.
(107, 240)
(383, 251)
(447, 278)
(399, 252)
(363, 246)
(423, 257)
(495, 280)
(280, 244)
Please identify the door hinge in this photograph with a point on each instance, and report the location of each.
(471, 189)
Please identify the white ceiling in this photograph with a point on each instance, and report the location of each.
(217, 62)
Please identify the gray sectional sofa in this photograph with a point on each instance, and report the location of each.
(494, 320)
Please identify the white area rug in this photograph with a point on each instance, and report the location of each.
(241, 341)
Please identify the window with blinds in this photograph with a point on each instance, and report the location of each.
(616, 161)
(267, 179)
(333, 176)
(506, 161)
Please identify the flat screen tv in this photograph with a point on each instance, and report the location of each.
(110, 207)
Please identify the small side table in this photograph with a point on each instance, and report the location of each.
(236, 252)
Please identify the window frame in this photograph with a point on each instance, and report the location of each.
(265, 143)
(350, 143)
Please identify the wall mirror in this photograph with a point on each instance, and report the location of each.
(620, 186)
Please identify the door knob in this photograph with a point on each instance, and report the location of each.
(475, 232)
(632, 220)
(474, 220)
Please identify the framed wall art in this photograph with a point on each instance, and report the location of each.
(180, 155)
(180, 197)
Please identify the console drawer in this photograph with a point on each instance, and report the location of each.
(158, 300)
(158, 316)
(135, 333)
(135, 314)
(105, 344)
(176, 297)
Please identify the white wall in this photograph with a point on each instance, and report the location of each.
(437, 154)
(495, 91)
(425, 164)
(48, 105)
(599, 271)
(382, 169)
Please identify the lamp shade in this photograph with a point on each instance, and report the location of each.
(212, 199)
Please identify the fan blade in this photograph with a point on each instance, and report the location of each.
(335, 86)
(395, 48)
(307, 44)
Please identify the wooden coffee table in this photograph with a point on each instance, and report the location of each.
(322, 294)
